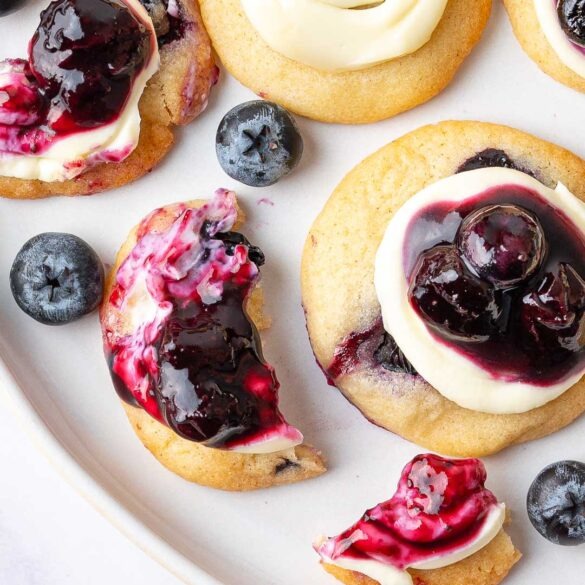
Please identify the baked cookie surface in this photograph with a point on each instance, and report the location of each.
(350, 97)
(342, 309)
(217, 468)
(529, 33)
(175, 95)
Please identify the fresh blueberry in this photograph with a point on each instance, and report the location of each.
(57, 278)
(503, 244)
(8, 6)
(556, 503)
(258, 143)
(452, 299)
(572, 18)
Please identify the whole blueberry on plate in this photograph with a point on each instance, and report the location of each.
(57, 278)
(556, 503)
(572, 18)
(8, 6)
(258, 143)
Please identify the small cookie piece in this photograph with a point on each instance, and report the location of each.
(529, 31)
(350, 97)
(175, 95)
(441, 520)
(342, 308)
(224, 388)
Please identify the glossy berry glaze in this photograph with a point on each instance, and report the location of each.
(193, 359)
(527, 329)
(571, 14)
(440, 506)
(83, 60)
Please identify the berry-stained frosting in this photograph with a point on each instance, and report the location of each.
(481, 282)
(74, 102)
(189, 354)
(440, 514)
(563, 24)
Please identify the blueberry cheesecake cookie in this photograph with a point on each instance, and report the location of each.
(94, 104)
(552, 32)
(347, 61)
(444, 287)
(180, 321)
(441, 527)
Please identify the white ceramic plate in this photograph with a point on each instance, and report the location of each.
(58, 383)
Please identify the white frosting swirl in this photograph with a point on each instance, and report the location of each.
(567, 51)
(452, 374)
(341, 35)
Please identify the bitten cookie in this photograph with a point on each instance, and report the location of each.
(344, 314)
(539, 29)
(441, 527)
(175, 95)
(354, 96)
(185, 355)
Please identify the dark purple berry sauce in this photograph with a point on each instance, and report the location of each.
(491, 157)
(373, 348)
(440, 506)
(83, 60)
(520, 313)
(196, 364)
(169, 24)
(571, 15)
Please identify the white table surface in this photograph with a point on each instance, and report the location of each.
(49, 535)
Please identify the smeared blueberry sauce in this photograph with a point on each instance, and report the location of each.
(492, 157)
(522, 319)
(440, 506)
(372, 347)
(194, 360)
(83, 60)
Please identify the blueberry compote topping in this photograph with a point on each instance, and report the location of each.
(194, 359)
(168, 21)
(489, 158)
(500, 279)
(371, 347)
(440, 507)
(83, 60)
(572, 18)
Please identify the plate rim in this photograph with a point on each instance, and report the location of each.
(91, 490)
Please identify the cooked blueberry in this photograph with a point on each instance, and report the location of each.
(503, 244)
(57, 278)
(553, 314)
(258, 143)
(85, 55)
(8, 6)
(556, 503)
(572, 17)
(452, 299)
(488, 158)
(391, 358)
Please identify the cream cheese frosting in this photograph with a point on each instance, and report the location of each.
(68, 156)
(451, 373)
(386, 574)
(568, 52)
(343, 35)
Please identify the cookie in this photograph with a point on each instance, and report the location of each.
(488, 566)
(529, 32)
(350, 97)
(342, 308)
(214, 467)
(175, 95)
